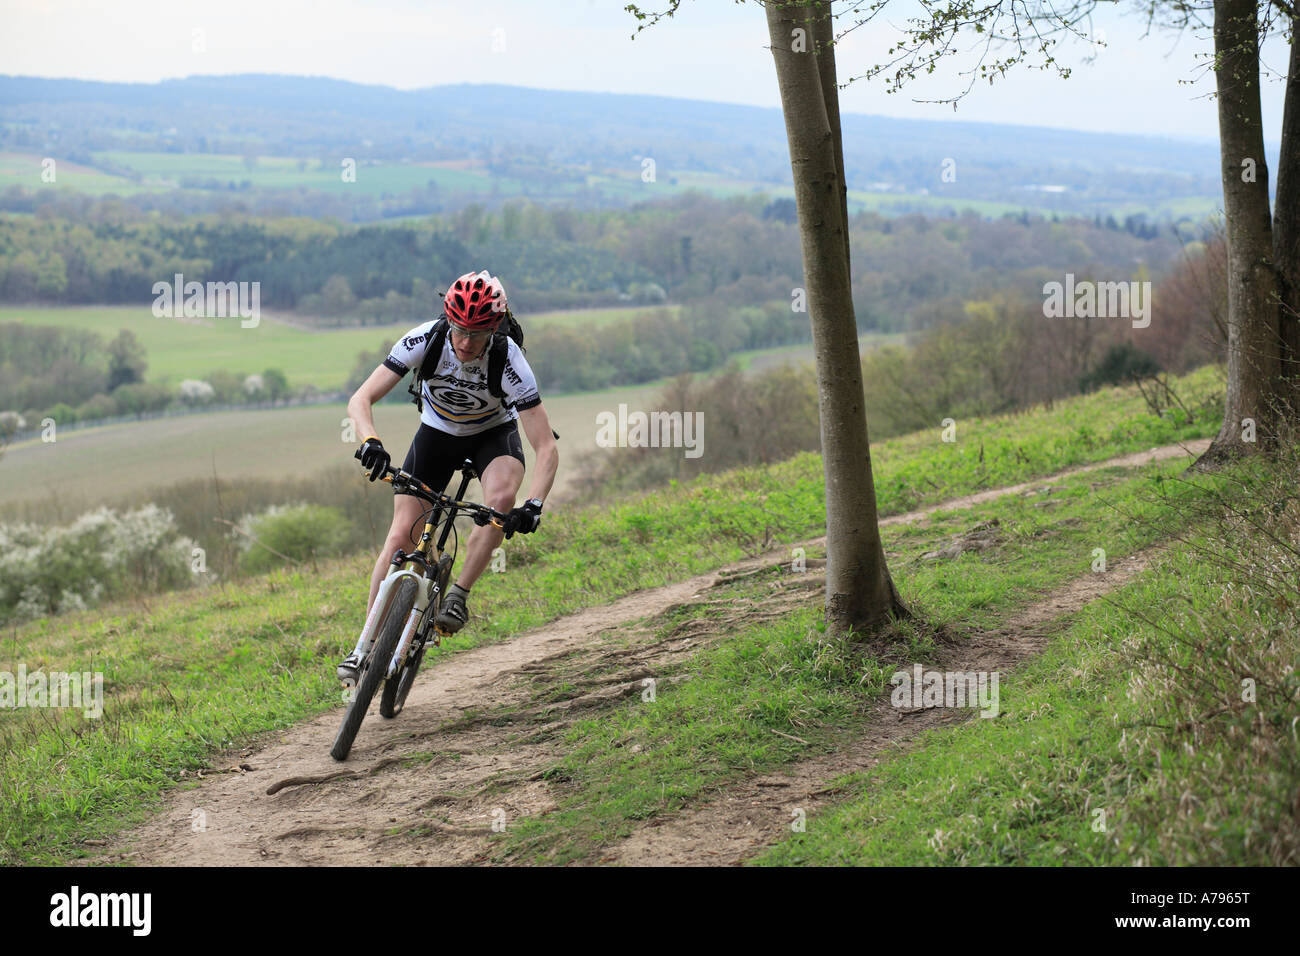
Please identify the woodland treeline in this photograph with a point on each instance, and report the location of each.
(691, 249)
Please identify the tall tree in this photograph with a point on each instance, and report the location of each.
(1254, 345)
(860, 594)
(127, 360)
(1286, 220)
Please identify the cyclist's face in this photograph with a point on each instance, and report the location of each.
(469, 346)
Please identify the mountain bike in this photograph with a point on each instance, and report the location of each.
(400, 625)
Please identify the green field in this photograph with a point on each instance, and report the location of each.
(377, 179)
(102, 464)
(667, 182)
(373, 177)
(193, 348)
(24, 169)
(757, 360)
(86, 467)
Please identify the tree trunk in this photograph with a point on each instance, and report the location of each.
(1286, 233)
(860, 594)
(1254, 349)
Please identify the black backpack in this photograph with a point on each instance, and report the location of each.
(498, 352)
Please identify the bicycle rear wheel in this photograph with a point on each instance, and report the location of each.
(374, 666)
(395, 690)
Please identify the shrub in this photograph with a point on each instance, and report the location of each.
(10, 424)
(100, 555)
(100, 406)
(1121, 363)
(301, 532)
(62, 414)
(195, 392)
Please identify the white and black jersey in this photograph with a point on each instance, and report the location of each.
(455, 397)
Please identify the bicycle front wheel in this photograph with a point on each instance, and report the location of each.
(395, 690)
(374, 666)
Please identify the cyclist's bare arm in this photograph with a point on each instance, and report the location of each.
(537, 426)
(379, 384)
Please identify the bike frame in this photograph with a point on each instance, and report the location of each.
(419, 566)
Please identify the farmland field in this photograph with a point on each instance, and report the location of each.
(85, 468)
(24, 169)
(193, 348)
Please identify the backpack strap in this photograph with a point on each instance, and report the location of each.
(498, 353)
(497, 357)
(426, 368)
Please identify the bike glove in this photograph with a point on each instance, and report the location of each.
(526, 518)
(374, 457)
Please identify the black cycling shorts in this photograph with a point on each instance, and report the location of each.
(434, 454)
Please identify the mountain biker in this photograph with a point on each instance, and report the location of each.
(459, 419)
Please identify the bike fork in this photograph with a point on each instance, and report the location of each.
(382, 601)
(403, 645)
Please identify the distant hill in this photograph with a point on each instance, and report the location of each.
(550, 136)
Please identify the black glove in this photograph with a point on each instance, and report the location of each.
(524, 519)
(374, 458)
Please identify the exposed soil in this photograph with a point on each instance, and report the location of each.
(738, 822)
(468, 751)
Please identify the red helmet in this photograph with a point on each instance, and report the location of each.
(476, 302)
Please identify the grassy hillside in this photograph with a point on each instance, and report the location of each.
(189, 674)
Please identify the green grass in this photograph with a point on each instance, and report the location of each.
(125, 462)
(159, 171)
(258, 654)
(630, 187)
(758, 360)
(25, 170)
(1158, 730)
(373, 177)
(727, 716)
(1024, 789)
(194, 348)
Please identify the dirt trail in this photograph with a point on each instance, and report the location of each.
(447, 771)
(752, 814)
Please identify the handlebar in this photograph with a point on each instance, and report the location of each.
(407, 483)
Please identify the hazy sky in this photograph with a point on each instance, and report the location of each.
(713, 49)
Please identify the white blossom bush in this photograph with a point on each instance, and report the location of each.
(254, 385)
(195, 392)
(100, 556)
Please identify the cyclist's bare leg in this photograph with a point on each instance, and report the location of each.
(406, 511)
(500, 480)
